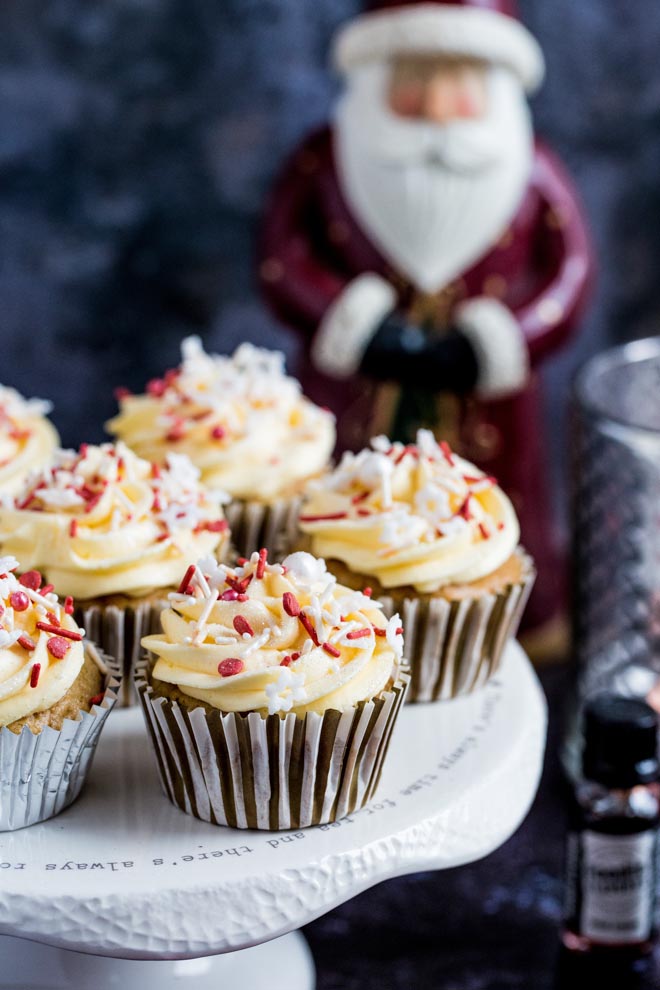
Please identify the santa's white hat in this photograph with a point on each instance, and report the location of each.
(482, 29)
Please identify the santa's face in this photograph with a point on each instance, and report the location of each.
(438, 88)
(434, 158)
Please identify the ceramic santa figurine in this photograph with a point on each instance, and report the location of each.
(432, 252)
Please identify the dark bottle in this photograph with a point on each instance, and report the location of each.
(611, 864)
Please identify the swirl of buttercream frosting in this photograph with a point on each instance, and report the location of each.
(102, 521)
(410, 515)
(27, 438)
(274, 638)
(41, 648)
(240, 419)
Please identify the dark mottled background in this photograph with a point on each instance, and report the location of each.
(137, 139)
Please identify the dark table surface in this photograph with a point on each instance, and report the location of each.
(492, 925)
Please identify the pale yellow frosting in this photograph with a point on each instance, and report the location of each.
(27, 438)
(37, 666)
(282, 637)
(240, 419)
(415, 515)
(104, 521)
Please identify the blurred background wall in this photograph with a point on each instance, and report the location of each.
(138, 138)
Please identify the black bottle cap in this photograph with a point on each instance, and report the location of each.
(620, 741)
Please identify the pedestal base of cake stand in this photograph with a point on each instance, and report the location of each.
(282, 964)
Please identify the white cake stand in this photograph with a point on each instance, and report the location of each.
(124, 878)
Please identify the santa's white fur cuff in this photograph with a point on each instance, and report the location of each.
(350, 323)
(427, 28)
(498, 343)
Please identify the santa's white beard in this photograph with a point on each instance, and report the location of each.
(433, 198)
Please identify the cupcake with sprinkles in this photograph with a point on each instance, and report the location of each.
(56, 691)
(247, 427)
(27, 439)
(436, 540)
(271, 693)
(111, 532)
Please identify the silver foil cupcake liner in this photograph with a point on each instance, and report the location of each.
(454, 647)
(117, 631)
(254, 525)
(249, 771)
(42, 774)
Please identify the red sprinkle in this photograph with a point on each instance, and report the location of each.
(26, 643)
(155, 471)
(358, 634)
(58, 647)
(187, 578)
(19, 601)
(472, 479)
(286, 662)
(500, 525)
(291, 604)
(31, 579)
(34, 676)
(121, 392)
(175, 434)
(309, 628)
(68, 605)
(218, 433)
(360, 498)
(47, 588)
(380, 632)
(156, 387)
(261, 565)
(214, 526)
(329, 517)
(464, 510)
(399, 630)
(241, 625)
(368, 592)
(332, 650)
(447, 451)
(94, 501)
(230, 666)
(240, 587)
(241, 561)
(52, 618)
(408, 449)
(97, 699)
(484, 532)
(58, 631)
(228, 596)
(363, 512)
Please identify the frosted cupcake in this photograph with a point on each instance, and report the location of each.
(55, 693)
(271, 693)
(112, 531)
(247, 427)
(437, 541)
(27, 438)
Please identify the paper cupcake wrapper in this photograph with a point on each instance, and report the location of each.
(249, 771)
(117, 631)
(42, 774)
(454, 647)
(254, 525)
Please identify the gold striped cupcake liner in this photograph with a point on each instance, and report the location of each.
(266, 772)
(42, 773)
(454, 647)
(254, 525)
(118, 629)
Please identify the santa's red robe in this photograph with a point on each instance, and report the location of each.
(312, 249)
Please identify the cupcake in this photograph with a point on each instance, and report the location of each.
(271, 693)
(437, 540)
(55, 694)
(112, 531)
(246, 426)
(27, 439)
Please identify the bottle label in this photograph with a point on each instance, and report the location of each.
(616, 878)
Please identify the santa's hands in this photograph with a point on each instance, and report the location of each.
(402, 352)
